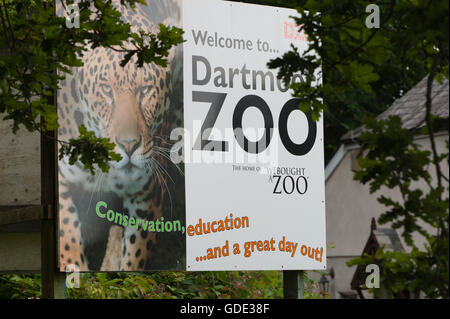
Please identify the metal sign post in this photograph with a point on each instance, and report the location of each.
(53, 281)
(293, 284)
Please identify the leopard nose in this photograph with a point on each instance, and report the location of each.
(129, 145)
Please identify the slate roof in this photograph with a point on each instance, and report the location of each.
(411, 107)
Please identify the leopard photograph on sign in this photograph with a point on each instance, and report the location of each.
(219, 168)
(112, 221)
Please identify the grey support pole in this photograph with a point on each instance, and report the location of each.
(293, 284)
(53, 281)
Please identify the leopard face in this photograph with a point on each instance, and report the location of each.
(126, 105)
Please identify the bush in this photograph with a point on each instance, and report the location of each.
(162, 285)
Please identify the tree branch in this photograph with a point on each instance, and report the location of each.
(362, 45)
(442, 230)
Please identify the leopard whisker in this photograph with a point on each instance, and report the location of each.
(165, 149)
(167, 157)
(163, 169)
(97, 177)
(162, 139)
(150, 163)
(158, 168)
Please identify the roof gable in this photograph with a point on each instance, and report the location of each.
(411, 106)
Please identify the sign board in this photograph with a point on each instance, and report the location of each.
(220, 169)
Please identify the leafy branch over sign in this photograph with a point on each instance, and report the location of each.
(90, 149)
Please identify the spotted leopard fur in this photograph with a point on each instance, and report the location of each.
(131, 106)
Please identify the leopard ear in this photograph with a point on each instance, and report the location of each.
(174, 12)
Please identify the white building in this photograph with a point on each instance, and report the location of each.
(349, 204)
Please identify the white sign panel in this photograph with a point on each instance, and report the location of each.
(254, 166)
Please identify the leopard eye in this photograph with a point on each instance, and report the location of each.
(145, 90)
(106, 89)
